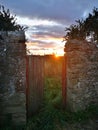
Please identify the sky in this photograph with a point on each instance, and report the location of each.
(47, 20)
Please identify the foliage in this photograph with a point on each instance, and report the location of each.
(8, 21)
(84, 28)
(52, 92)
(50, 118)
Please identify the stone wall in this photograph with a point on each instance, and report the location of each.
(12, 78)
(82, 74)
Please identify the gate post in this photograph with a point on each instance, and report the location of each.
(64, 80)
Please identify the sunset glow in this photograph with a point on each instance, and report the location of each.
(56, 55)
(47, 38)
(41, 40)
(48, 45)
(34, 49)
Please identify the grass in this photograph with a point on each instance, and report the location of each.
(50, 118)
(52, 92)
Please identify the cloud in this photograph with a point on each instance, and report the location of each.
(39, 47)
(65, 11)
(45, 31)
(46, 35)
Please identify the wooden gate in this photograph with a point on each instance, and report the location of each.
(35, 83)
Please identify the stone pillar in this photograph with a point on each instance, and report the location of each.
(12, 78)
(82, 74)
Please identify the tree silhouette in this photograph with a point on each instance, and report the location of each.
(91, 23)
(84, 28)
(8, 21)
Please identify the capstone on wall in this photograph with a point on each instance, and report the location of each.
(82, 74)
(12, 78)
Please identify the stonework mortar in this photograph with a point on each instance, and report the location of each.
(12, 78)
(82, 74)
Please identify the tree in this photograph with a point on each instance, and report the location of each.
(84, 28)
(91, 23)
(8, 21)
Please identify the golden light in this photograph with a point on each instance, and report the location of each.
(59, 52)
(47, 39)
(56, 55)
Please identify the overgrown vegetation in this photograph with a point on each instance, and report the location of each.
(8, 21)
(84, 28)
(52, 116)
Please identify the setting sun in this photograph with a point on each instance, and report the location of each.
(56, 55)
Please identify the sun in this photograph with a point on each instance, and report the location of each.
(56, 55)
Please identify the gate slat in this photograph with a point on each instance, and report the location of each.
(35, 84)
